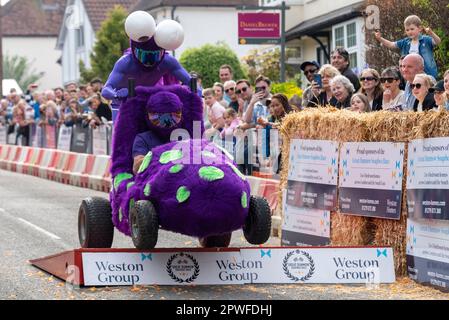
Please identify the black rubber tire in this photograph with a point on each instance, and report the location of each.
(144, 225)
(257, 229)
(95, 227)
(218, 241)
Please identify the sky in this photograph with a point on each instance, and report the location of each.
(4, 1)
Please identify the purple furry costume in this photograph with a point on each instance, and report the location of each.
(194, 186)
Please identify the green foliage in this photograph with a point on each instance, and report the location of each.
(19, 68)
(206, 60)
(392, 15)
(111, 41)
(263, 62)
(288, 88)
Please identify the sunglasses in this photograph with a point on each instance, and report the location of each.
(416, 85)
(261, 88)
(368, 79)
(310, 71)
(230, 89)
(242, 90)
(389, 80)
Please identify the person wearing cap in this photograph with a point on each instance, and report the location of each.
(340, 60)
(439, 95)
(310, 68)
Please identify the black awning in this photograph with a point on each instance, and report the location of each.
(316, 25)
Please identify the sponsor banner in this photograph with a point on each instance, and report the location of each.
(162, 268)
(312, 174)
(100, 140)
(428, 178)
(258, 28)
(428, 251)
(37, 140)
(80, 140)
(321, 265)
(244, 266)
(294, 238)
(3, 131)
(371, 203)
(371, 179)
(64, 138)
(50, 137)
(302, 226)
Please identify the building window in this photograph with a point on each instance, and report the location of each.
(79, 37)
(351, 35)
(345, 35)
(339, 35)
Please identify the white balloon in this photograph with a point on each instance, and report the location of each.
(140, 26)
(169, 35)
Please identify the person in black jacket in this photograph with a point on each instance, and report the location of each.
(342, 89)
(420, 89)
(372, 88)
(340, 60)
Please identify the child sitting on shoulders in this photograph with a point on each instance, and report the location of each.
(416, 43)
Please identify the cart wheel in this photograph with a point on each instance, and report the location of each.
(218, 241)
(257, 227)
(95, 227)
(144, 224)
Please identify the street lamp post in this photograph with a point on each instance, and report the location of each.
(282, 8)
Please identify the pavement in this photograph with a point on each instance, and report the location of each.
(39, 218)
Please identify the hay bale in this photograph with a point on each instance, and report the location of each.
(336, 125)
(383, 126)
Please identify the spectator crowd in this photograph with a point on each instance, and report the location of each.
(74, 104)
(233, 106)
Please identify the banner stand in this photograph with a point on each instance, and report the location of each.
(221, 266)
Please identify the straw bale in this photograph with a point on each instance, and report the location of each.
(346, 126)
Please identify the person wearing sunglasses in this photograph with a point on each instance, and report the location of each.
(310, 68)
(372, 88)
(229, 89)
(421, 91)
(393, 96)
(258, 101)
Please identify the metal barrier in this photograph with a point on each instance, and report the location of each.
(256, 151)
(77, 138)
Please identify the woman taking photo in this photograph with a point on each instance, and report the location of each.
(322, 94)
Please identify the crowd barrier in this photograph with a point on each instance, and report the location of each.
(92, 171)
(257, 150)
(76, 138)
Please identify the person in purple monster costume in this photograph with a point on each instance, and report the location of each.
(193, 185)
(190, 186)
(147, 61)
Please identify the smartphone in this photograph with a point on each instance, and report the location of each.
(317, 79)
(258, 90)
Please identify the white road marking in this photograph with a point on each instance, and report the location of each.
(47, 233)
(51, 235)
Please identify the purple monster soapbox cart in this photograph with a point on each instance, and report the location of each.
(188, 186)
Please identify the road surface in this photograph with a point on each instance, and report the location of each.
(39, 218)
